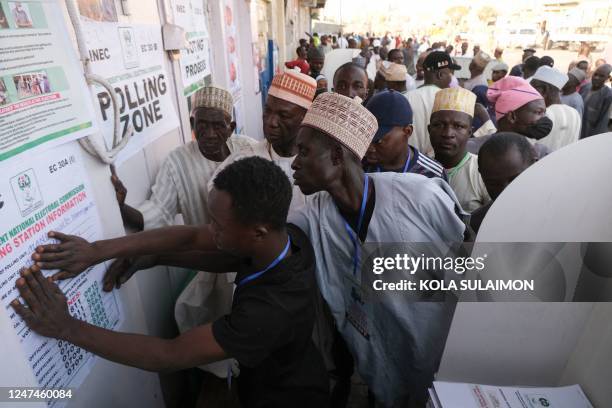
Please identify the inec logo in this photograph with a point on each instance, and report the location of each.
(26, 191)
(24, 182)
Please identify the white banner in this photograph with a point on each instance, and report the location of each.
(131, 58)
(195, 61)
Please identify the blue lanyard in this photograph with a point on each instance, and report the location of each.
(378, 168)
(267, 268)
(355, 239)
(250, 278)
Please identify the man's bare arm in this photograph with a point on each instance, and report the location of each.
(122, 269)
(74, 254)
(47, 314)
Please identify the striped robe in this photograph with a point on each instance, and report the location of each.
(181, 185)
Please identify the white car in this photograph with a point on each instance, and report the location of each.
(523, 37)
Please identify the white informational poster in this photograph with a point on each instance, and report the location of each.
(51, 192)
(44, 100)
(131, 58)
(195, 60)
(450, 395)
(464, 63)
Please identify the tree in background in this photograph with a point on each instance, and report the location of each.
(457, 13)
(487, 13)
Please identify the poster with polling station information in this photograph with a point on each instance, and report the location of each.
(44, 100)
(51, 192)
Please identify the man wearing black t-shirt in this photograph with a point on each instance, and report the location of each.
(270, 326)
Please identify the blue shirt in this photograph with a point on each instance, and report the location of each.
(419, 164)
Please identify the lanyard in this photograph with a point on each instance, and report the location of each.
(455, 169)
(250, 278)
(267, 268)
(355, 239)
(379, 169)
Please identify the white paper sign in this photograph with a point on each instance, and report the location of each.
(44, 100)
(448, 395)
(195, 60)
(131, 58)
(51, 192)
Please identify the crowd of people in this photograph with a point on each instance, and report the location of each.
(29, 85)
(279, 228)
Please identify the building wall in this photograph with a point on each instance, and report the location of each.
(148, 298)
(297, 24)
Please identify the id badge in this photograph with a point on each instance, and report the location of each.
(357, 307)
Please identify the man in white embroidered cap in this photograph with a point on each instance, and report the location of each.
(396, 344)
(566, 121)
(180, 186)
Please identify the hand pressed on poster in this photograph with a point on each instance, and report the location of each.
(122, 269)
(71, 256)
(51, 191)
(46, 307)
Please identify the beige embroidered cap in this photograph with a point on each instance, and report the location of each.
(455, 99)
(343, 119)
(213, 97)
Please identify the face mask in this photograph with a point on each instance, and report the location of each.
(539, 129)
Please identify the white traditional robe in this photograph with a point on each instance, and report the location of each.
(421, 101)
(566, 127)
(181, 185)
(263, 149)
(467, 184)
(397, 343)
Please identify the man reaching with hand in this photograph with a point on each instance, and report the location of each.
(181, 187)
(270, 326)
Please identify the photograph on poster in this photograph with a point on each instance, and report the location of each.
(98, 10)
(3, 20)
(231, 48)
(32, 84)
(21, 14)
(3, 93)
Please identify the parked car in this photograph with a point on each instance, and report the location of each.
(573, 38)
(523, 37)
